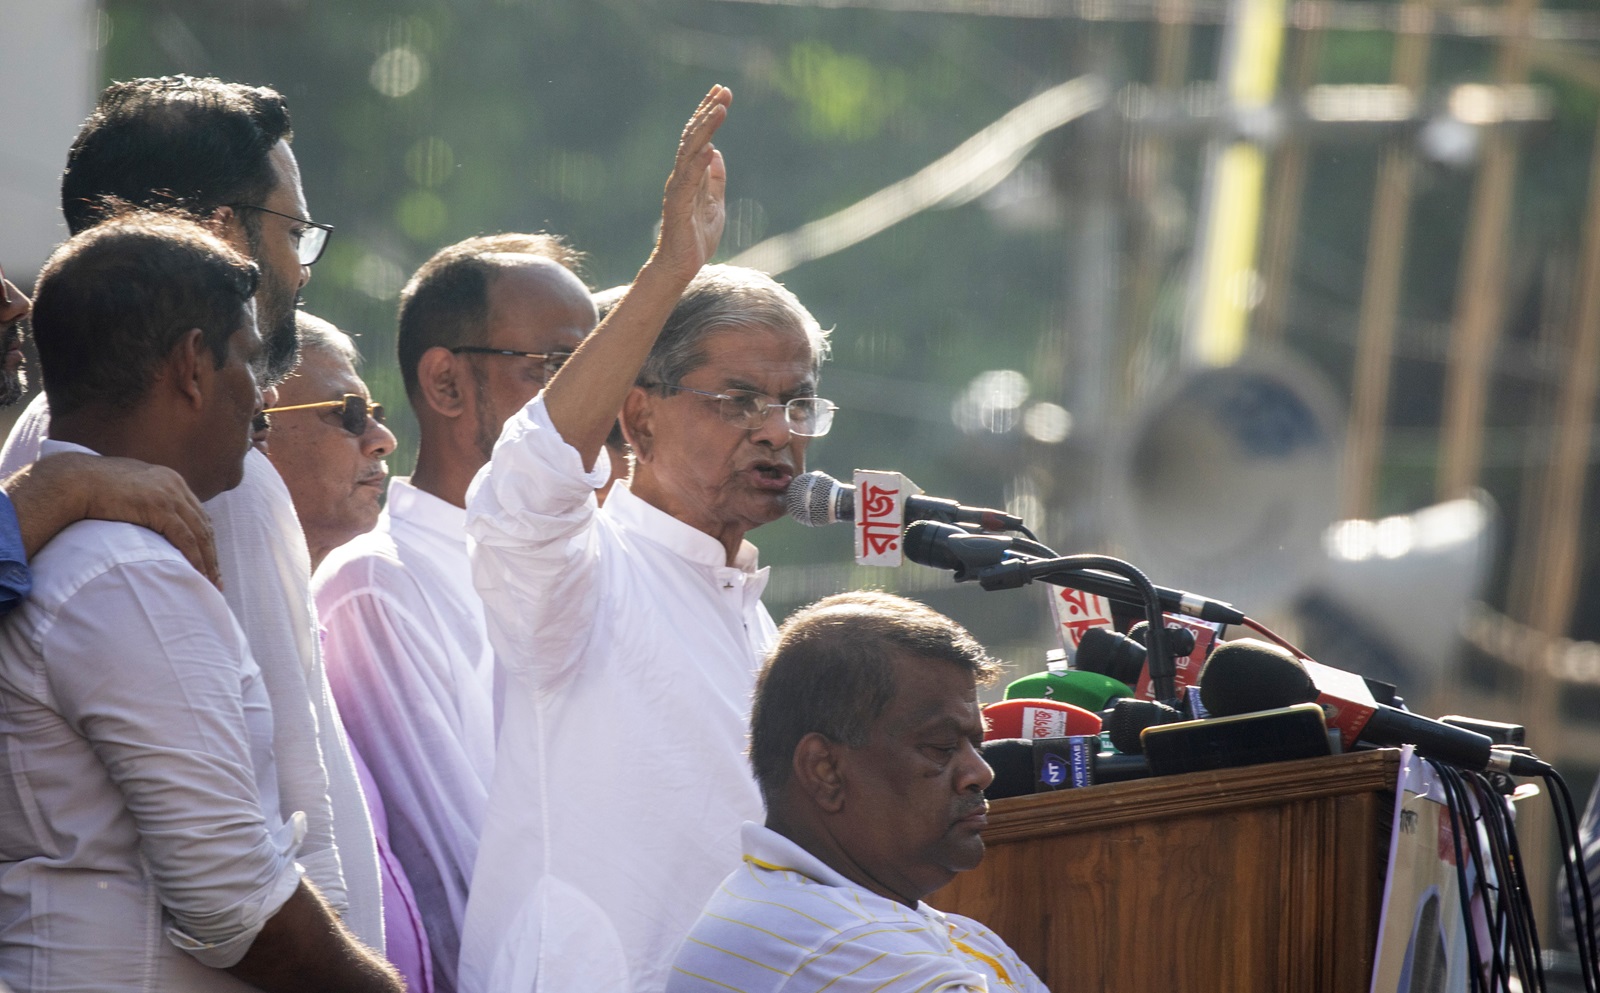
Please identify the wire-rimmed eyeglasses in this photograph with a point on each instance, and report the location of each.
(551, 362)
(808, 417)
(353, 411)
(309, 241)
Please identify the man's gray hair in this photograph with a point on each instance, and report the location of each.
(726, 298)
(317, 334)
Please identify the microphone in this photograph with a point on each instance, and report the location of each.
(1089, 690)
(816, 499)
(943, 546)
(1024, 766)
(1038, 719)
(1248, 675)
(1126, 720)
(1111, 654)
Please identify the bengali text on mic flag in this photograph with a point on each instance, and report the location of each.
(881, 516)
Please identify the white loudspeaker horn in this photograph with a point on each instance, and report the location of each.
(1390, 598)
(1226, 483)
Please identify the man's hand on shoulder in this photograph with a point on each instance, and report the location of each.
(68, 487)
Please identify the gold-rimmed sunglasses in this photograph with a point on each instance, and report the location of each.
(353, 411)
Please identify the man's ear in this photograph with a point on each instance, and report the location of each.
(819, 773)
(228, 224)
(638, 422)
(191, 368)
(444, 380)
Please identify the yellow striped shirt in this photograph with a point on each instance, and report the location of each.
(784, 922)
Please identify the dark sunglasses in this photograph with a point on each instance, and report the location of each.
(353, 411)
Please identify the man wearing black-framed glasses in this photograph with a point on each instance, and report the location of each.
(484, 324)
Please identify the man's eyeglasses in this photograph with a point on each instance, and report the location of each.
(551, 362)
(353, 411)
(808, 417)
(309, 241)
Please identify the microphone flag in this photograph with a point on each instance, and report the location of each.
(881, 516)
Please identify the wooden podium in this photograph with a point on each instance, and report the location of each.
(1266, 879)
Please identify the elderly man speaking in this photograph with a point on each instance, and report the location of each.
(630, 634)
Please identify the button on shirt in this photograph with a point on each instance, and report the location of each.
(413, 673)
(784, 922)
(142, 845)
(629, 649)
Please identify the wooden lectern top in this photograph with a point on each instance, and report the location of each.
(1266, 878)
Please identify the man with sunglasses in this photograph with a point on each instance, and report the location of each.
(630, 634)
(483, 325)
(328, 440)
(220, 152)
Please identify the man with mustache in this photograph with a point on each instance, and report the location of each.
(221, 153)
(630, 634)
(483, 324)
(328, 448)
(864, 738)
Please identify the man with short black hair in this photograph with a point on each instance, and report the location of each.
(482, 324)
(864, 738)
(145, 844)
(220, 153)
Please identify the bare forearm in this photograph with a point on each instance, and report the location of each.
(304, 949)
(584, 398)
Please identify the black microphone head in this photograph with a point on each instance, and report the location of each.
(1180, 640)
(928, 543)
(1108, 653)
(1012, 762)
(810, 499)
(1125, 719)
(1246, 675)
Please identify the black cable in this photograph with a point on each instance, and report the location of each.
(1524, 900)
(1577, 880)
(1515, 906)
(1474, 957)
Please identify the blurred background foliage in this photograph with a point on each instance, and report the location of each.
(420, 122)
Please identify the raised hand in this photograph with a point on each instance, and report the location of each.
(692, 208)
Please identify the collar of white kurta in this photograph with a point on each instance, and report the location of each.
(649, 521)
(50, 446)
(768, 849)
(425, 510)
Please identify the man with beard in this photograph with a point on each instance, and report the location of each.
(630, 634)
(41, 499)
(482, 326)
(864, 738)
(219, 152)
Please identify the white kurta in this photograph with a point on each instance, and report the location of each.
(266, 574)
(629, 650)
(142, 845)
(413, 674)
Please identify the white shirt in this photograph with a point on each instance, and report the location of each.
(413, 673)
(629, 649)
(266, 574)
(784, 922)
(139, 813)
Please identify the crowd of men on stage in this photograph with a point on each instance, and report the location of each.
(517, 722)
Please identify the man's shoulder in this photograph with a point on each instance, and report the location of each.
(784, 918)
(365, 559)
(87, 548)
